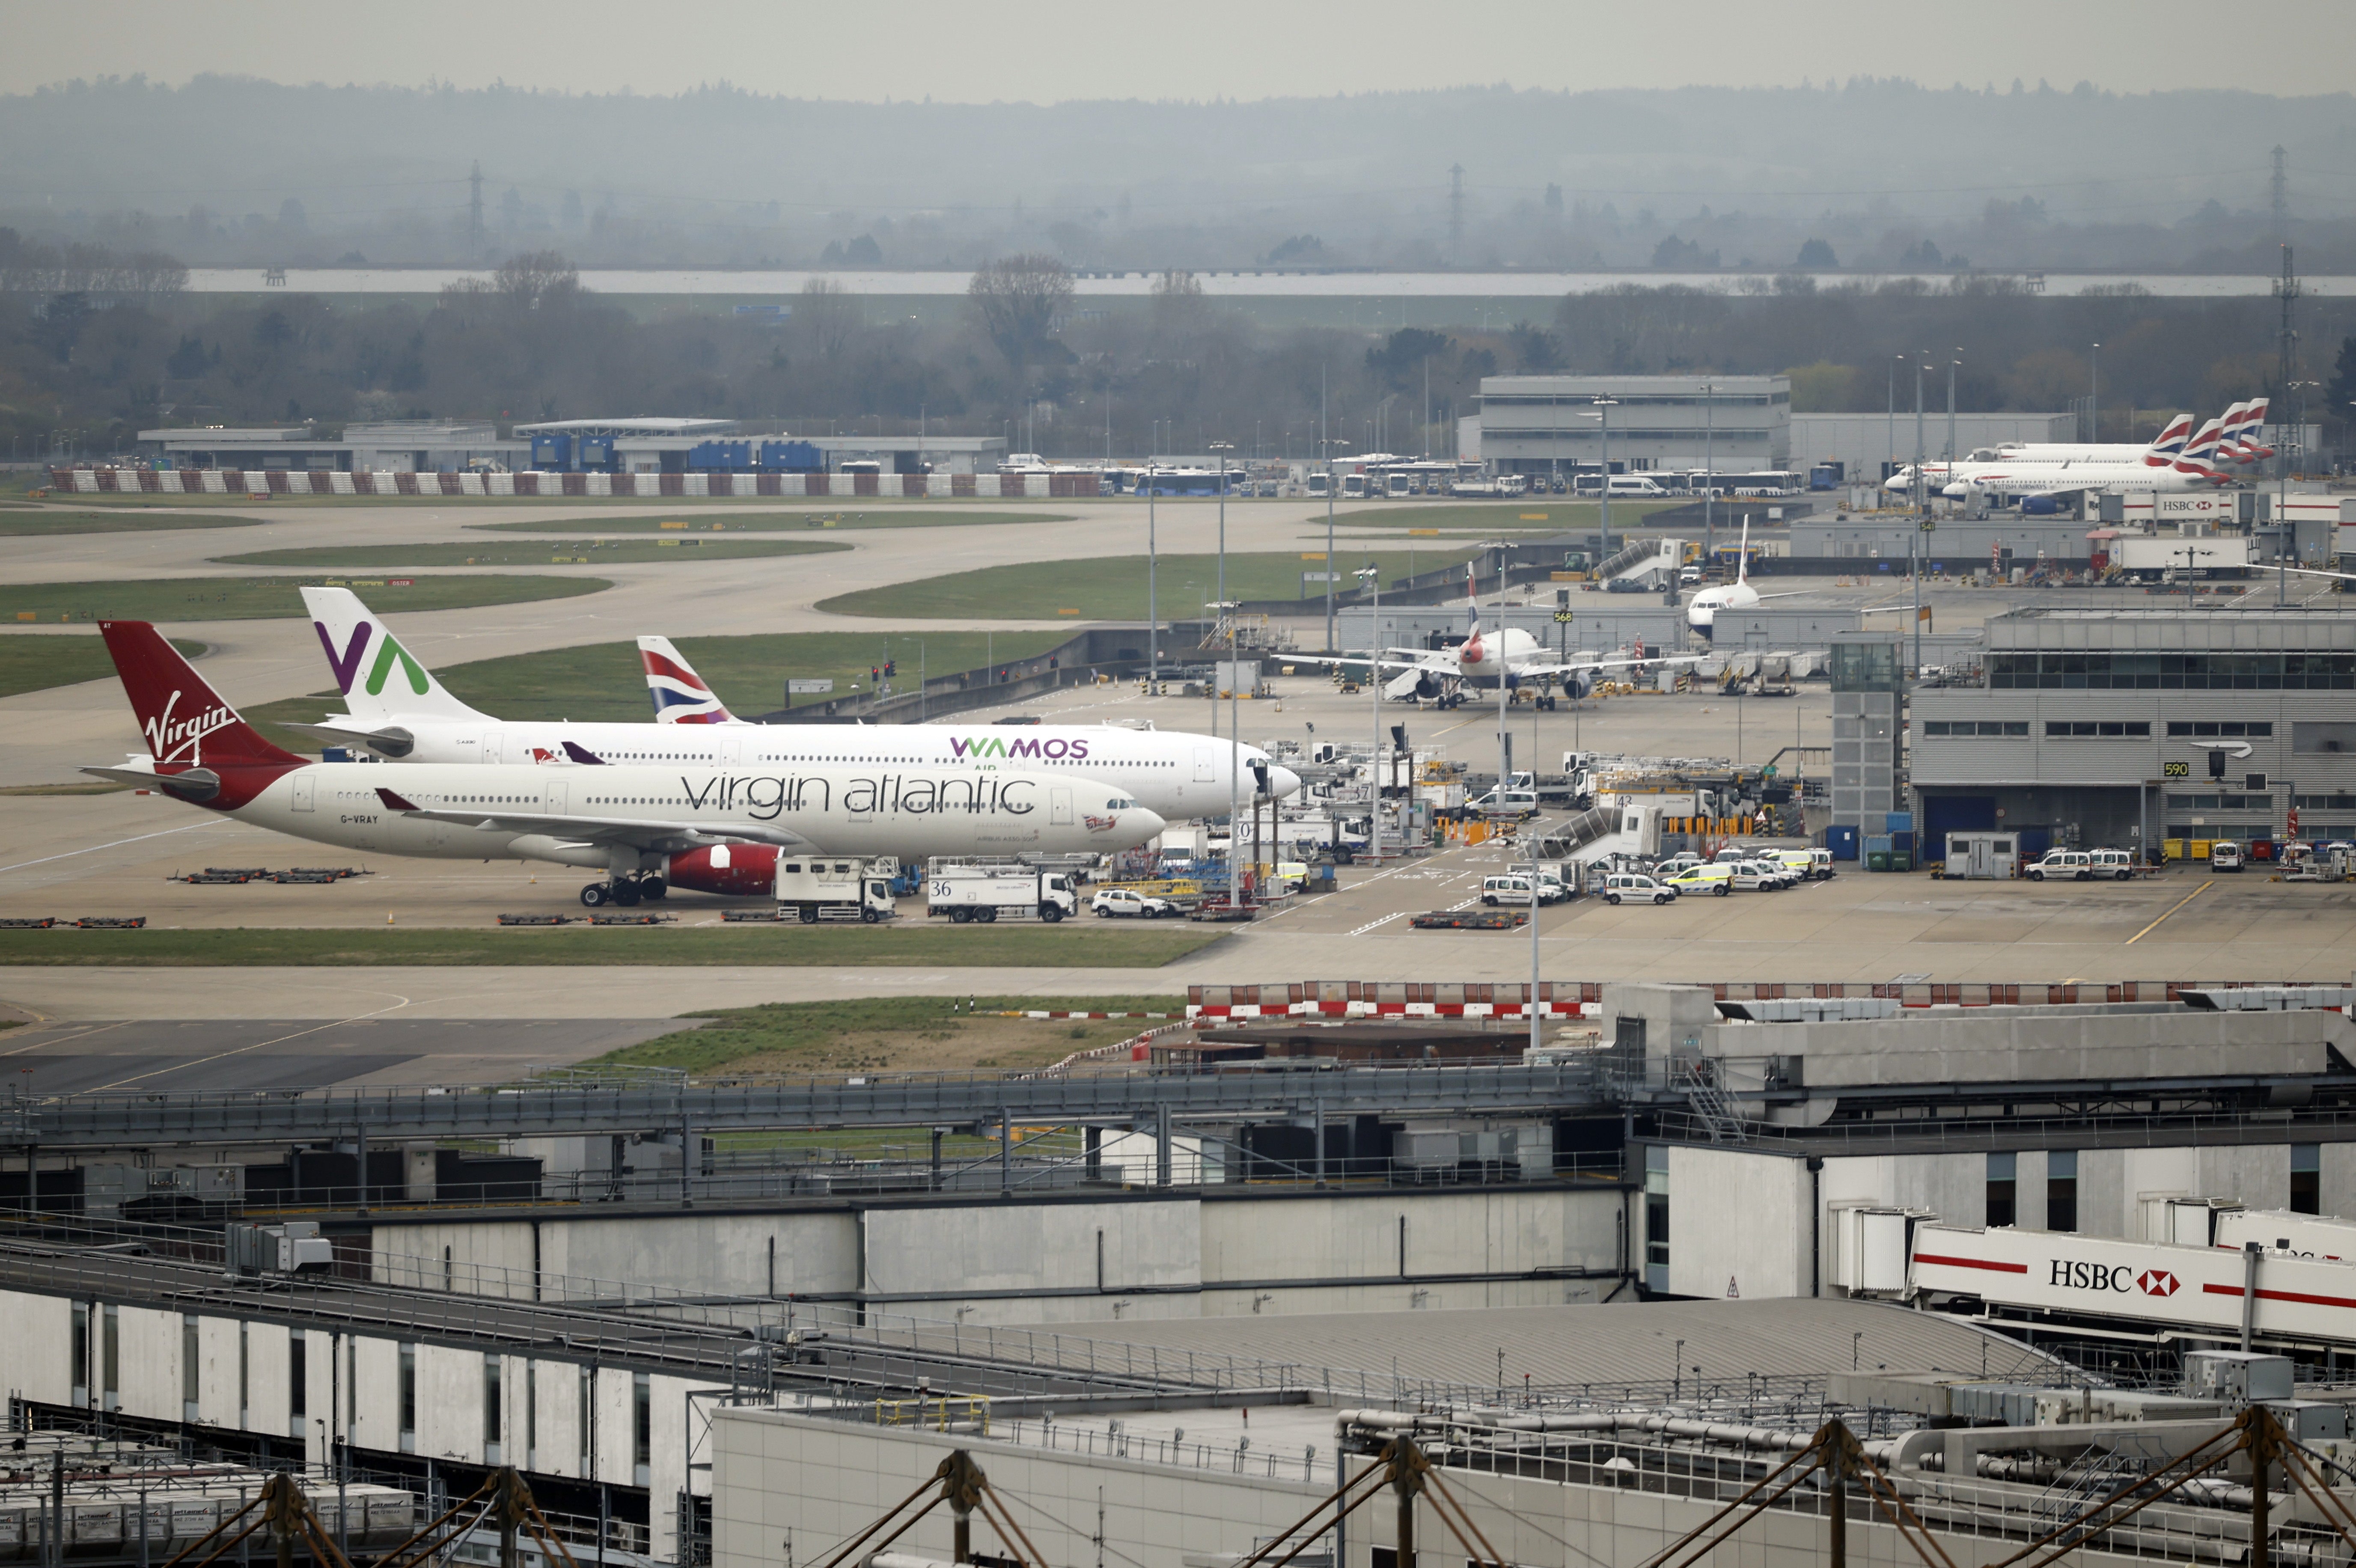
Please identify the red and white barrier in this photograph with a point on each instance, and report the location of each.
(584, 486)
(1390, 1011)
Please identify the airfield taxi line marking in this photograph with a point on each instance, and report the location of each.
(2178, 904)
(1384, 919)
(94, 848)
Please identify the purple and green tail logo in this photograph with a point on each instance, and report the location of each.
(986, 747)
(346, 663)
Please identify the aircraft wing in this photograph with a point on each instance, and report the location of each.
(653, 836)
(1575, 666)
(1416, 658)
(2311, 572)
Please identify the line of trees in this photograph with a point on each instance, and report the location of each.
(1170, 373)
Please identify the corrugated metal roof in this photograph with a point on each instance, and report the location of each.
(1592, 1344)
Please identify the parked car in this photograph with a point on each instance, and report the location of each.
(2062, 865)
(1622, 886)
(1759, 876)
(2224, 854)
(1677, 865)
(1128, 902)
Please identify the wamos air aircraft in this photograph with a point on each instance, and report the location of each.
(397, 711)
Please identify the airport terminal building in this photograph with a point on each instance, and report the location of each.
(1544, 425)
(2099, 727)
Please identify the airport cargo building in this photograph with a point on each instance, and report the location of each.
(2119, 727)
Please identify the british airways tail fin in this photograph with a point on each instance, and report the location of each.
(680, 696)
(379, 677)
(2253, 424)
(2168, 441)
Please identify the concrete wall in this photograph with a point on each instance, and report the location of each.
(1737, 1224)
(2002, 1045)
(1035, 1261)
(450, 1391)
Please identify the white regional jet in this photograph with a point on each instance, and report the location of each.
(1702, 609)
(397, 710)
(637, 822)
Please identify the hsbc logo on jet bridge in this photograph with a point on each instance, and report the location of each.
(2120, 1278)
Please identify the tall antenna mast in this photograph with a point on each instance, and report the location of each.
(2288, 290)
(1456, 211)
(2278, 196)
(475, 213)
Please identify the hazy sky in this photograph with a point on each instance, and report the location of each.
(1051, 50)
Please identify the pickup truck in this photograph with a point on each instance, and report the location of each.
(1128, 902)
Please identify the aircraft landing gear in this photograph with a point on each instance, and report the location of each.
(651, 887)
(626, 895)
(596, 895)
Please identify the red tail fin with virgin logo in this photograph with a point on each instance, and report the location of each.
(184, 721)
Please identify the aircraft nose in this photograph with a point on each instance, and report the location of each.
(1141, 825)
(1283, 781)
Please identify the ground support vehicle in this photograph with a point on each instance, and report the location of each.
(1718, 880)
(2224, 854)
(1469, 920)
(2062, 866)
(812, 888)
(969, 891)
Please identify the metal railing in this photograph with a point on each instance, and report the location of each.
(282, 1115)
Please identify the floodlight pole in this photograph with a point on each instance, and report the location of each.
(1372, 575)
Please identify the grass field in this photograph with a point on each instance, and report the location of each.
(1103, 944)
(1549, 516)
(35, 664)
(698, 520)
(1113, 587)
(893, 1033)
(603, 682)
(32, 524)
(578, 551)
(263, 598)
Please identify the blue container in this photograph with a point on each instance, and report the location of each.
(1898, 822)
(552, 453)
(1841, 839)
(1902, 844)
(720, 455)
(790, 457)
(596, 450)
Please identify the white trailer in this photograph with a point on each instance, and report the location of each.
(814, 887)
(2197, 1288)
(988, 891)
(2157, 555)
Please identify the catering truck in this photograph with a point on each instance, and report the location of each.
(813, 887)
(968, 889)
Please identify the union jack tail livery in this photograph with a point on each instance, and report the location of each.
(2253, 424)
(680, 696)
(2168, 441)
(2200, 454)
(2231, 447)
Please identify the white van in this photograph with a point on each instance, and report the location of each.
(2224, 854)
(2062, 865)
(1622, 886)
(2116, 865)
(1515, 890)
